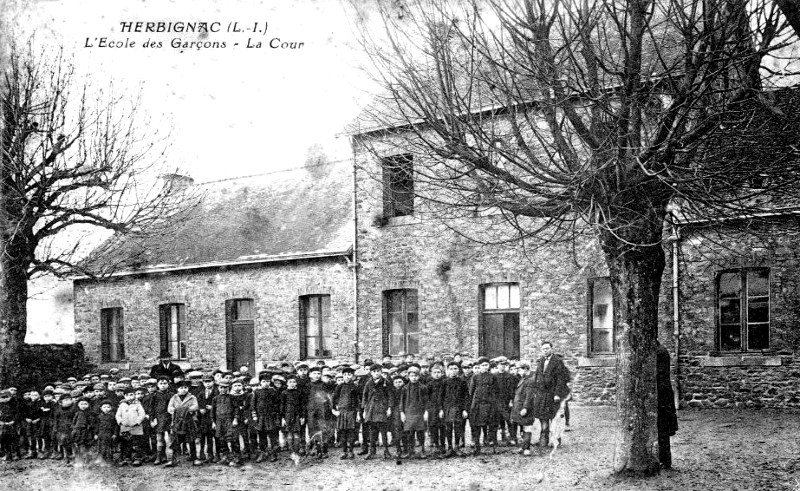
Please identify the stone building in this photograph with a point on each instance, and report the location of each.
(261, 270)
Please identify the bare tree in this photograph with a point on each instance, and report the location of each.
(70, 165)
(571, 116)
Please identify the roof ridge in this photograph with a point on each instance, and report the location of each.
(332, 162)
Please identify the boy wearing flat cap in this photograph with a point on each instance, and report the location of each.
(376, 410)
(483, 390)
(346, 401)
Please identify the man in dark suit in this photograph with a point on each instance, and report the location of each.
(550, 380)
(667, 419)
(165, 367)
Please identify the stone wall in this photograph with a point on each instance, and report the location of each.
(275, 289)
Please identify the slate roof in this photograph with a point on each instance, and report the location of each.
(280, 215)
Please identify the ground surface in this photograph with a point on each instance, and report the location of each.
(719, 449)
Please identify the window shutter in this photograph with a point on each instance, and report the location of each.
(229, 333)
(303, 327)
(182, 330)
(385, 323)
(105, 325)
(163, 326)
(388, 198)
(120, 335)
(589, 315)
(481, 336)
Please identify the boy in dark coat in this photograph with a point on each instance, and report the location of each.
(266, 418)
(223, 414)
(33, 420)
(522, 410)
(107, 431)
(47, 406)
(435, 399)
(293, 414)
(9, 422)
(346, 401)
(455, 401)
(413, 412)
(83, 428)
(483, 396)
(375, 405)
(240, 421)
(319, 418)
(395, 424)
(62, 426)
(160, 419)
(205, 398)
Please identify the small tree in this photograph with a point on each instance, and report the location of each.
(70, 165)
(586, 115)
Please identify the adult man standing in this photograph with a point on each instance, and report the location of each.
(550, 380)
(667, 419)
(165, 367)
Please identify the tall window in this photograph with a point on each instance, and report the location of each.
(601, 316)
(398, 186)
(112, 335)
(743, 309)
(172, 323)
(315, 326)
(400, 322)
(499, 333)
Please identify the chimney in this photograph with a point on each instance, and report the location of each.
(176, 183)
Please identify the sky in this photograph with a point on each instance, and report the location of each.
(226, 112)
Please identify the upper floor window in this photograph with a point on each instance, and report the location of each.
(743, 309)
(112, 335)
(601, 316)
(401, 322)
(315, 326)
(172, 325)
(398, 186)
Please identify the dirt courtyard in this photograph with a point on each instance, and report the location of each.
(714, 449)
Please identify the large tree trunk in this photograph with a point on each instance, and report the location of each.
(13, 315)
(636, 280)
(791, 10)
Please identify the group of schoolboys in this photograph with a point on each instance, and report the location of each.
(226, 417)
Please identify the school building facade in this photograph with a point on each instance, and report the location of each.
(346, 266)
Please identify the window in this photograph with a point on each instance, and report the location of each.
(172, 324)
(315, 326)
(400, 322)
(601, 316)
(398, 186)
(499, 330)
(112, 335)
(743, 309)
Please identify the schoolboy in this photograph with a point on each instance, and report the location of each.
(455, 400)
(346, 401)
(435, 397)
(9, 422)
(395, 423)
(150, 440)
(33, 421)
(266, 418)
(205, 398)
(318, 412)
(160, 419)
(293, 413)
(107, 431)
(376, 409)
(183, 407)
(483, 396)
(223, 416)
(413, 412)
(83, 431)
(47, 406)
(522, 409)
(240, 421)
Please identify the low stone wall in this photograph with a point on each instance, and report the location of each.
(740, 382)
(594, 385)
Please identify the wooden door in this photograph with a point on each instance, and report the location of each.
(240, 334)
(501, 335)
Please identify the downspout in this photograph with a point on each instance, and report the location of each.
(356, 341)
(676, 319)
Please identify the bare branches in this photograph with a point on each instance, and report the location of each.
(73, 161)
